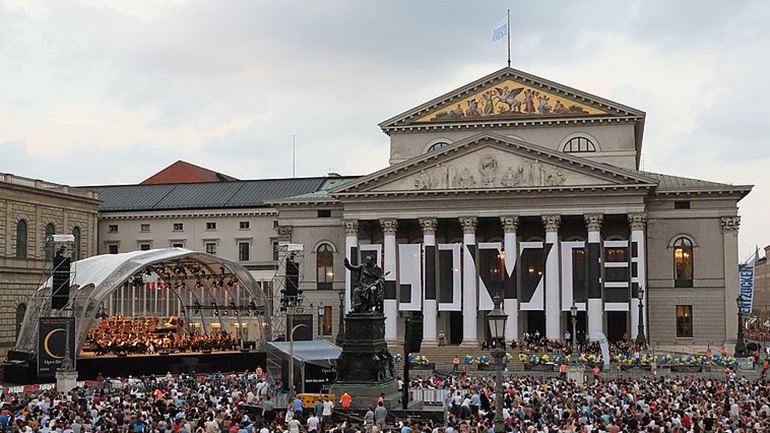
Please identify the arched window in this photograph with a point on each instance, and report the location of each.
(50, 230)
(21, 310)
(21, 239)
(579, 144)
(438, 145)
(324, 267)
(683, 262)
(76, 247)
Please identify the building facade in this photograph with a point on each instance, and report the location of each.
(30, 212)
(512, 185)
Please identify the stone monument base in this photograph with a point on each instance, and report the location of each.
(576, 373)
(66, 380)
(365, 394)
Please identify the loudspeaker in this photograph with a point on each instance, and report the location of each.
(61, 281)
(413, 335)
(292, 277)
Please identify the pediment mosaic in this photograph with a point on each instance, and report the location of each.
(510, 99)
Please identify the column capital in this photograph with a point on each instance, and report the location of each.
(551, 222)
(284, 233)
(351, 227)
(389, 226)
(731, 224)
(469, 224)
(510, 223)
(594, 221)
(637, 221)
(428, 225)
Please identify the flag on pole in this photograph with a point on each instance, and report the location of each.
(500, 31)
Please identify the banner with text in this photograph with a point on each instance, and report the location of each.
(52, 344)
(746, 273)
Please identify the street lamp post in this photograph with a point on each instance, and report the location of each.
(641, 340)
(341, 326)
(497, 318)
(575, 348)
(740, 345)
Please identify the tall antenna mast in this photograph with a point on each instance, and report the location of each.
(509, 38)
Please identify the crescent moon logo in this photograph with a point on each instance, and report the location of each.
(47, 340)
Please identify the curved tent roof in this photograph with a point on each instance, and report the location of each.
(92, 280)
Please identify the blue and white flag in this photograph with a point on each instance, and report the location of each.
(500, 31)
(746, 275)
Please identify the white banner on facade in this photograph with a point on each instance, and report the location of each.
(374, 250)
(532, 259)
(487, 278)
(409, 277)
(449, 281)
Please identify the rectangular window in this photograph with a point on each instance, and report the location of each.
(243, 225)
(681, 205)
(243, 251)
(178, 227)
(113, 228)
(211, 226)
(211, 247)
(144, 228)
(684, 321)
(324, 213)
(274, 244)
(112, 248)
(144, 247)
(327, 322)
(177, 245)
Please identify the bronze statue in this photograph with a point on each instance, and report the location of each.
(368, 286)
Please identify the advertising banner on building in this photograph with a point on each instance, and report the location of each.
(746, 275)
(52, 344)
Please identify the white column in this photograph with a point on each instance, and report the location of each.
(552, 277)
(470, 301)
(510, 288)
(351, 253)
(429, 302)
(390, 304)
(637, 222)
(593, 253)
(730, 227)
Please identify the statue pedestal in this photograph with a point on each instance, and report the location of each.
(66, 380)
(576, 373)
(365, 367)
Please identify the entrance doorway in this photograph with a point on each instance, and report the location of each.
(617, 325)
(535, 321)
(455, 327)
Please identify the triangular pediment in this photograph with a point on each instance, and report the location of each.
(493, 162)
(509, 95)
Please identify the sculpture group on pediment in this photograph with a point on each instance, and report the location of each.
(488, 170)
(527, 173)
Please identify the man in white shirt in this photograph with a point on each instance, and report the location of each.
(312, 423)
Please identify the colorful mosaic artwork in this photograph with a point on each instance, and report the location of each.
(511, 99)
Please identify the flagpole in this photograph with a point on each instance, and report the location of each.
(509, 38)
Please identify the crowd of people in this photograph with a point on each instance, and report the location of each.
(535, 343)
(149, 335)
(243, 403)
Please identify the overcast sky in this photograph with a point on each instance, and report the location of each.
(112, 91)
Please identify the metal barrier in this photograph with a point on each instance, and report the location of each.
(429, 397)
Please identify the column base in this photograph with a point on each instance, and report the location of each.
(66, 380)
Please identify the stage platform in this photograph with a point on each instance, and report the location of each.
(23, 372)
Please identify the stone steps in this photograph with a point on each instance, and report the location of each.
(443, 356)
